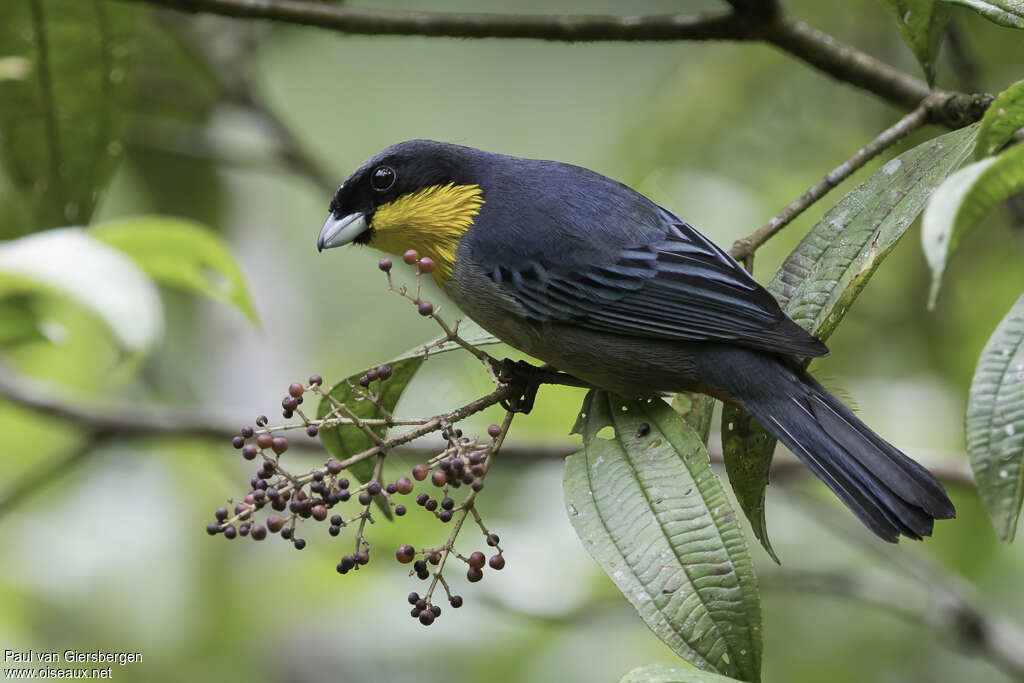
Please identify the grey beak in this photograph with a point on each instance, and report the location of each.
(339, 231)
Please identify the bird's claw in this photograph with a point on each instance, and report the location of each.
(525, 379)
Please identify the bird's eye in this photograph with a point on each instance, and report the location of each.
(383, 178)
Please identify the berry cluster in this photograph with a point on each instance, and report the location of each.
(324, 493)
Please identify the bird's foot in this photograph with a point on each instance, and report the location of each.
(525, 380)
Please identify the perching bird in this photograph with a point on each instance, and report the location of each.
(595, 279)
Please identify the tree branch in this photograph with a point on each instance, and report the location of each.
(103, 422)
(746, 246)
(970, 625)
(752, 20)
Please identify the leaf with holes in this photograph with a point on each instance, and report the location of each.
(62, 113)
(922, 24)
(670, 673)
(1003, 118)
(345, 442)
(747, 450)
(651, 512)
(1008, 13)
(821, 278)
(962, 201)
(180, 253)
(995, 422)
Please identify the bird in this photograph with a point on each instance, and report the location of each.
(593, 278)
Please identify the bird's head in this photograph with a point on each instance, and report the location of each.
(419, 194)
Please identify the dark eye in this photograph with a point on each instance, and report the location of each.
(383, 177)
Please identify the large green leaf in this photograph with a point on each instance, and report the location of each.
(62, 116)
(651, 512)
(180, 253)
(995, 422)
(821, 278)
(819, 281)
(71, 263)
(922, 24)
(670, 673)
(343, 442)
(1003, 118)
(962, 201)
(1003, 12)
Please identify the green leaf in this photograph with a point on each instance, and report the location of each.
(821, 278)
(648, 508)
(70, 262)
(962, 201)
(180, 253)
(747, 450)
(62, 112)
(922, 24)
(995, 422)
(18, 321)
(819, 281)
(348, 441)
(1003, 118)
(670, 673)
(1008, 13)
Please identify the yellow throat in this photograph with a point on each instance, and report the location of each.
(431, 221)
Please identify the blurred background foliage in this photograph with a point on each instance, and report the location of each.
(246, 127)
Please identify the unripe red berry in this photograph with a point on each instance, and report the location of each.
(249, 451)
(264, 440)
(319, 513)
(403, 485)
(438, 478)
(279, 444)
(419, 472)
(295, 389)
(426, 265)
(274, 523)
(410, 256)
(477, 559)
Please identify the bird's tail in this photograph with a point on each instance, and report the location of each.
(890, 493)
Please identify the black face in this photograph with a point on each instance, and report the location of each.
(398, 170)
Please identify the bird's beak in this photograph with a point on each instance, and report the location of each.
(339, 231)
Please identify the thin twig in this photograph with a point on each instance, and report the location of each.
(746, 246)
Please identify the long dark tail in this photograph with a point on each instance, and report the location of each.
(888, 491)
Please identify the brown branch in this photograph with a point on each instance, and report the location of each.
(565, 28)
(746, 246)
(974, 628)
(752, 20)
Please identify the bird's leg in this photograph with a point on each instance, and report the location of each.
(526, 380)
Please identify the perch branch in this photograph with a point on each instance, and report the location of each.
(752, 20)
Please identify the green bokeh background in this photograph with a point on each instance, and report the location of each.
(112, 554)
